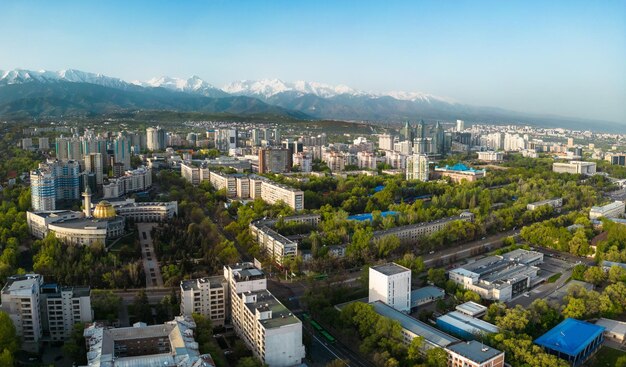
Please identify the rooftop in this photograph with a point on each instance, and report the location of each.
(426, 293)
(430, 334)
(22, 284)
(570, 337)
(614, 326)
(265, 301)
(471, 308)
(214, 282)
(467, 323)
(475, 351)
(390, 269)
(417, 225)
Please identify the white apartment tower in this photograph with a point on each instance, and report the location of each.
(391, 284)
(205, 296)
(268, 328)
(20, 300)
(417, 167)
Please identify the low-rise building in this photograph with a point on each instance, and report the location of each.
(555, 203)
(612, 210)
(474, 354)
(616, 158)
(575, 167)
(613, 329)
(411, 233)
(170, 344)
(499, 278)
(205, 296)
(572, 340)
(491, 156)
(472, 309)
(460, 172)
(464, 326)
(426, 295)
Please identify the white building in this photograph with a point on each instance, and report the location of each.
(575, 167)
(612, 210)
(136, 180)
(277, 246)
(491, 156)
(267, 327)
(385, 142)
(410, 233)
(273, 192)
(170, 344)
(417, 167)
(205, 296)
(44, 312)
(555, 203)
(224, 181)
(304, 161)
(391, 284)
(366, 160)
(460, 125)
(194, 174)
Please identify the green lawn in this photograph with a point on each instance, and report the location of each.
(606, 357)
(554, 278)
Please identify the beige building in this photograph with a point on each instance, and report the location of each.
(575, 167)
(412, 232)
(474, 354)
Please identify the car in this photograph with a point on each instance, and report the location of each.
(483, 238)
(432, 252)
(526, 294)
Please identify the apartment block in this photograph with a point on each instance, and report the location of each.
(194, 173)
(205, 296)
(412, 232)
(20, 300)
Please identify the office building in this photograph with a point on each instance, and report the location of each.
(575, 167)
(391, 284)
(491, 156)
(572, 340)
(274, 160)
(499, 278)
(206, 297)
(267, 327)
(612, 210)
(170, 344)
(417, 167)
(474, 354)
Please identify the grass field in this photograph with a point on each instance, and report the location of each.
(554, 278)
(606, 357)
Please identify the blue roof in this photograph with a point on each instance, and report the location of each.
(379, 188)
(459, 167)
(369, 216)
(570, 337)
(426, 293)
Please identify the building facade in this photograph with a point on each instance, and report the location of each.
(417, 167)
(391, 284)
(205, 296)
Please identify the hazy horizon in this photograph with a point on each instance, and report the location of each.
(561, 58)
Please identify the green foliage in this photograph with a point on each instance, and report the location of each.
(141, 309)
(249, 362)
(437, 276)
(415, 263)
(106, 305)
(9, 342)
(75, 346)
(436, 357)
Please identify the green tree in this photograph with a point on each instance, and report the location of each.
(595, 275)
(414, 351)
(75, 346)
(617, 274)
(106, 305)
(249, 362)
(436, 357)
(9, 342)
(437, 276)
(141, 307)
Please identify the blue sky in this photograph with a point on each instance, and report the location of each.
(551, 57)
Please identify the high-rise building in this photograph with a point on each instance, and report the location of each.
(205, 296)
(43, 143)
(93, 164)
(121, 151)
(385, 142)
(20, 300)
(274, 160)
(391, 284)
(267, 327)
(304, 161)
(460, 125)
(156, 138)
(43, 189)
(408, 133)
(439, 143)
(417, 167)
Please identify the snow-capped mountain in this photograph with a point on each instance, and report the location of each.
(21, 76)
(267, 88)
(193, 85)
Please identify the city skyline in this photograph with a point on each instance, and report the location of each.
(560, 59)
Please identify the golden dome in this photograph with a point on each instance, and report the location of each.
(104, 210)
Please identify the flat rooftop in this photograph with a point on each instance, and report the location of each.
(432, 335)
(22, 284)
(468, 324)
(570, 337)
(390, 269)
(613, 326)
(426, 293)
(475, 351)
(471, 308)
(214, 282)
(265, 301)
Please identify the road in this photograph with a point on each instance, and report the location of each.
(150, 263)
(155, 295)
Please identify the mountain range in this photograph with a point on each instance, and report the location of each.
(27, 93)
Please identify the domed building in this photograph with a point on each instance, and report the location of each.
(104, 210)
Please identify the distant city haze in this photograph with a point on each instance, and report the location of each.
(563, 58)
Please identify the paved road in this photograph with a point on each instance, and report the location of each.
(150, 263)
(154, 294)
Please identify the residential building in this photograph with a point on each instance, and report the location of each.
(274, 160)
(62, 308)
(385, 142)
(417, 167)
(277, 246)
(474, 354)
(460, 125)
(612, 210)
(43, 143)
(20, 300)
(170, 344)
(155, 138)
(366, 160)
(273, 192)
(136, 180)
(224, 181)
(409, 234)
(205, 296)
(121, 151)
(43, 189)
(53, 181)
(267, 327)
(616, 158)
(194, 173)
(93, 164)
(304, 161)
(575, 167)
(491, 156)
(391, 284)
